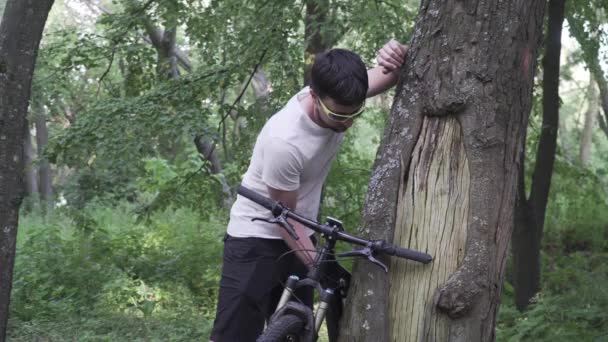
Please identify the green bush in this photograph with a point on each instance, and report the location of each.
(99, 274)
(571, 305)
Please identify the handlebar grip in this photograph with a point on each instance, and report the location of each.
(407, 253)
(257, 198)
(413, 255)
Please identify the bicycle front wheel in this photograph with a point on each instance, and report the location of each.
(287, 328)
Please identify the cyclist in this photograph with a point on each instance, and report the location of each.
(291, 159)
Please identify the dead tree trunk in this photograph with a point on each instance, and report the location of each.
(527, 234)
(444, 180)
(20, 32)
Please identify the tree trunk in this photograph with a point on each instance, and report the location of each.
(20, 32)
(316, 17)
(590, 116)
(603, 124)
(44, 168)
(603, 85)
(585, 28)
(31, 176)
(527, 237)
(207, 151)
(568, 151)
(444, 180)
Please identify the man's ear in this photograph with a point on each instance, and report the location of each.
(312, 93)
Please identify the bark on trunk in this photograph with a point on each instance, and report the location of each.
(444, 180)
(527, 237)
(590, 117)
(44, 168)
(20, 32)
(524, 249)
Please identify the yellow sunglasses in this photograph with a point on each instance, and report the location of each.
(341, 117)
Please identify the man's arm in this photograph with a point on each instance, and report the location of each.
(304, 249)
(390, 58)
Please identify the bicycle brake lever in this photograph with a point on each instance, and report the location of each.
(364, 252)
(378, 263)
(280, 220)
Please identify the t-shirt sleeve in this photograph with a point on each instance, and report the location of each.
(282, 165)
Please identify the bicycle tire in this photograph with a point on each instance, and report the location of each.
(286, 328)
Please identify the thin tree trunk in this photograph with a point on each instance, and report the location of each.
(586, 33)
(569, 152)
(31, 176)
(20, 33)
(44, 168)
(603, 124)
(590, 117)
(445, 176)
(527, 238)
(604, 98)
(314, 20)
(598, 75)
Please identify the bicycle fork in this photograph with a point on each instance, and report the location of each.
(325, 298)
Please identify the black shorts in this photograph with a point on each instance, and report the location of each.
(251, 286)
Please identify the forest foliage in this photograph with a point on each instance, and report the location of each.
(132, 248)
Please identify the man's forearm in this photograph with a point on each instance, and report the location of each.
(379, 81)
(304, 249)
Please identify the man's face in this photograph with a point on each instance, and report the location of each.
(336, 116)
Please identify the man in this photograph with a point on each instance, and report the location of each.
(291, 159)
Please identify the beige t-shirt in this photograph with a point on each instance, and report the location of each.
(291, 153)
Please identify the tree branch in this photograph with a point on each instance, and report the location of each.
(107, 71)
(238, 99)
(182, 58)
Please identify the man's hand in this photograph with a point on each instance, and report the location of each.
(391, 56)
(304, 248)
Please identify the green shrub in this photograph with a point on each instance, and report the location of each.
(78, 272)
(571, 305)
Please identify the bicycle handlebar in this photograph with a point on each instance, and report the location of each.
(257, 198)
(277, 208)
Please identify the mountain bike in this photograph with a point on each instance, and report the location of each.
(295, 322)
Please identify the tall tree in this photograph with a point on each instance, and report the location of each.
(585, 20)
(590, 118)
(530, 213)
(31, 178)
(45, 180)
(445, 175)
(20, 33)
(316, 40)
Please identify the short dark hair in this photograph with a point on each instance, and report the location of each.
(341, 75)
